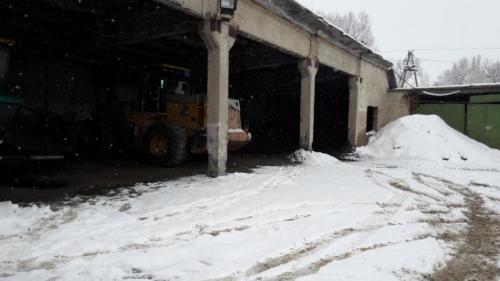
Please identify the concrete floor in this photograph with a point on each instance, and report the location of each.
(51, 182)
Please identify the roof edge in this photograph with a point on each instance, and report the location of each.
(317, 25)
(465, 89)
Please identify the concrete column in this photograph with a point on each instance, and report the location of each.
(308, 69)
(354, 89)
(216, 35)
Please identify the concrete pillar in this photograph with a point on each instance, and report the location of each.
(308, 69)
(354, 110)
(216, 35)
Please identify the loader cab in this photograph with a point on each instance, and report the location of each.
(156, 87)
(183, 88)
(176, 80)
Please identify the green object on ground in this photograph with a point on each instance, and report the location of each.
(6, 97)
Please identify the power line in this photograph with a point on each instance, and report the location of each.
(394, 60)
(444, 50)
(434, 60)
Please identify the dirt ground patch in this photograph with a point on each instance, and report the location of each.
(53, 182)
(479, 246)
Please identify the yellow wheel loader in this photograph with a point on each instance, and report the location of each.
(172, 122)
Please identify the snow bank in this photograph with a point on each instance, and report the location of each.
(6, 210)
(429, 138)
(15, 219)
(313, 158)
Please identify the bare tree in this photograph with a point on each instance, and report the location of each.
(358, 25)
(471, 70)
(492, 70)
(457, 75)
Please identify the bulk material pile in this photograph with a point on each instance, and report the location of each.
(317, 219)
(428, 138)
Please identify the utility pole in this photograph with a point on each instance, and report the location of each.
(409, 70)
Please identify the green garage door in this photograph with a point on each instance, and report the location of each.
(452, 114)
(482, 115)
(484, 123)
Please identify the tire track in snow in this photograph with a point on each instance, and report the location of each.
(312, 247)
(448, 189)
(314, 267)
(484, 185)
(69, 214)
(420, 179)
(396, 183)
(478, 248)
(296, 254)
(306, 250)
(282, 175)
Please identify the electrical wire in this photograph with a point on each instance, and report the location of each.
(426, 92)
(444, 50)
(434, 60)
(394, 60)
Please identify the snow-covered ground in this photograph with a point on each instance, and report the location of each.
(388, 216)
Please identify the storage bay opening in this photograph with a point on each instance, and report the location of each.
(267, 82)
(331, 118)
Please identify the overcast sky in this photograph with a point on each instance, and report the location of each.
(430, 27)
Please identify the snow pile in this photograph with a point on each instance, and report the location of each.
(313, 158)
(428, 138)
(6, 210)
(13, 217)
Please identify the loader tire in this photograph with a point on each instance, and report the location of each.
(165, 145)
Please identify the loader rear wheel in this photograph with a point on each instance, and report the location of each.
(165, 145)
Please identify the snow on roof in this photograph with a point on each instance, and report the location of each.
(316, 24)
(462, 88)
(474, 85)
(332, 25)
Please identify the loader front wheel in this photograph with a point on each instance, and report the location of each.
(165, 145)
